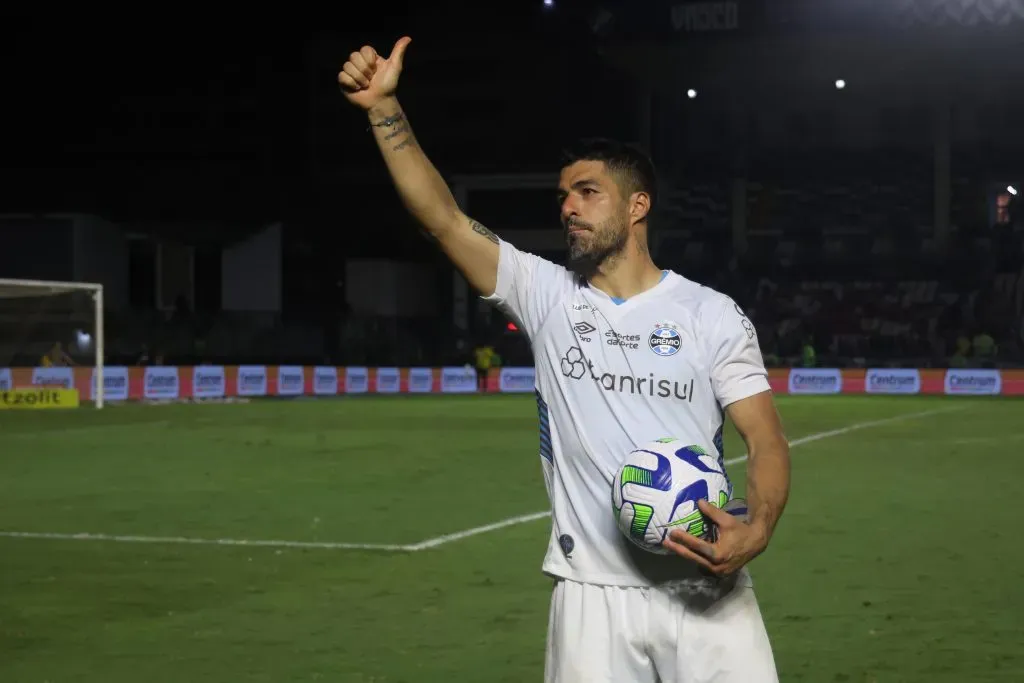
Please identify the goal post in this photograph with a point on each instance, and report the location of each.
(36, 314)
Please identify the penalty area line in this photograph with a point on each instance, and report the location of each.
(422, 545)
(181, 540)
(810, 438)
(459, 535)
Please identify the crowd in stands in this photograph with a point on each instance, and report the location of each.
(834, 274)
(846, 270)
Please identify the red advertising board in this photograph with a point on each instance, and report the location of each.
(172, 383)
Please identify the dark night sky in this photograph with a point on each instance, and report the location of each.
(189, 113)
(238, 117)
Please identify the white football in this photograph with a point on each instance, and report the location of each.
(657, 488)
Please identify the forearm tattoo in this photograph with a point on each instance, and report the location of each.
(401, 130)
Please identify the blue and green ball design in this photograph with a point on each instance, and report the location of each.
(657, 488)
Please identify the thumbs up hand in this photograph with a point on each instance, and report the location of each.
(367, 78)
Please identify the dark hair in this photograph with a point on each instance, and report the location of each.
(633, 169)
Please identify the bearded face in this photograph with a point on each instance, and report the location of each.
(595, 216)
(592, 245)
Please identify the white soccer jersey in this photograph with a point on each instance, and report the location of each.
(610, 376)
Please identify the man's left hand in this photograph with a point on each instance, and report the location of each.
(736, 544)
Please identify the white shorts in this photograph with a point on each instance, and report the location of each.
(600, 634)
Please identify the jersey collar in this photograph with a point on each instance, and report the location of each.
(618, 301)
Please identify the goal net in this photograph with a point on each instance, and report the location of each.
(51, 334)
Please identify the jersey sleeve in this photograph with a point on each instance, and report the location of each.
(737, 366)
(528, 287)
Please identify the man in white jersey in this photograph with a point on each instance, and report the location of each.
(625, 353)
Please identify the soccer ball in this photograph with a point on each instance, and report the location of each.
(657, 488)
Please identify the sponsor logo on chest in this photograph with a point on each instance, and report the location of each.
(665, 340)
(577, 367)
(625, 341)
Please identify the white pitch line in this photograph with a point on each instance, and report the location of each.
(810, 438)
(422, 545)
(441, 540)
(203, 541)
(459, 535)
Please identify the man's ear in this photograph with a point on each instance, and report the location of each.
(639, 207)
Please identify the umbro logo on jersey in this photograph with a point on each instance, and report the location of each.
(584, 328)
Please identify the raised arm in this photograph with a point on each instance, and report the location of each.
(369, 81)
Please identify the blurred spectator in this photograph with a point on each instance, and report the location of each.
(486, 358)
(984, 349)
(56, 357)
(961, 352)
(810, 356)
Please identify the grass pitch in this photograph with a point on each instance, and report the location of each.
(898, 558)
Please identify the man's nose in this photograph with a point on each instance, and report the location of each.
(569, 210)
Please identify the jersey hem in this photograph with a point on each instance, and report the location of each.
(744, 579)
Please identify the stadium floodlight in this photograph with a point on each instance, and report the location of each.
(36, 294)
(840, 84)
(691, 93)
(1012, 190)
(83, 340)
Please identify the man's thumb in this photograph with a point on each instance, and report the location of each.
(398, 51)
(717, 515)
